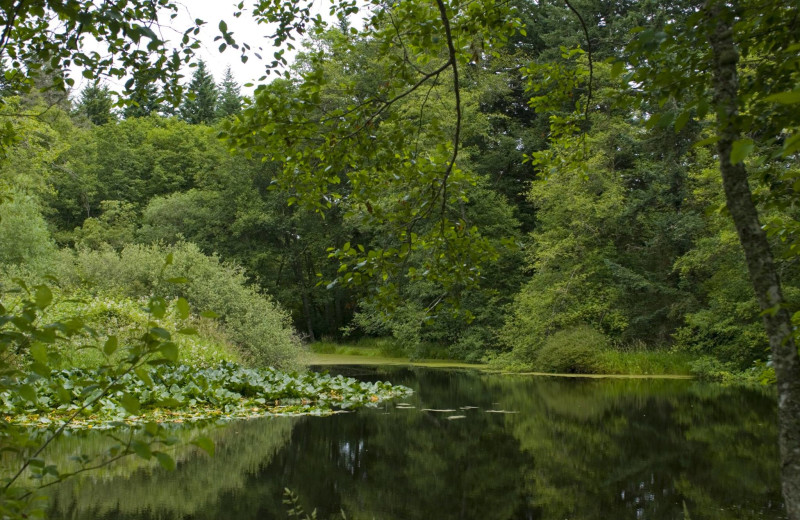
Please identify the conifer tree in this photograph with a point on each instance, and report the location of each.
(230, 99)
(200, 104)
(96, 104)
(145, 100)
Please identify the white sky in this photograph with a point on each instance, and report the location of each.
(244, 28)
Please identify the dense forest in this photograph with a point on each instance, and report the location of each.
(627, 248)
(536, 187)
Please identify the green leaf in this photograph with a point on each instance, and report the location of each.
(786, 98)
(141, 449)
(63, 394)
(130, 403)
(183, 308)
(205, 444)
(144, 375)
(28, 393)
(149, 33)
(741, 149)
(209, 314)
(160, 332)
(39, 352)
(158, 307)
(223, 27)
(43, 296)
(178, 279)
(681, 121)
(791, 145)
(111, 345)
(167, 462)
(40, 369)
(704, 142)
(169, 351)
(616, 68)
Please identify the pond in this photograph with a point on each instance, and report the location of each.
(468, 445)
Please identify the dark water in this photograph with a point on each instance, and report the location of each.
(574, 449)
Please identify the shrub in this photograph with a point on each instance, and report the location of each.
(575, 350)
(116, 226)
(127, 319)
(709, 368)
(249, 318)
(24, 238)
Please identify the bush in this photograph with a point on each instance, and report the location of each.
(249, 318)
(574, 351)
(116, 226)
(709, 368)
(24, 238)
(127, 319)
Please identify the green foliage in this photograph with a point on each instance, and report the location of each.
(35, 392)
(573, 351)
(295, 510)
(189, 215)
(200, 105)
(710, 368)
(28, 356)
(366, 346)
(249, 318)
(96, 104)
(115, 227)
(38, 54)
(131, 162)
(230, 99)
(24, 237)
(644, 361)
(184, 393)
(125, 319)
(144, 99)
(412, 196)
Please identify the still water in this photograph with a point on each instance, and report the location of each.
(511, 447)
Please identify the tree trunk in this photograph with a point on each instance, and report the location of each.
(760, 265)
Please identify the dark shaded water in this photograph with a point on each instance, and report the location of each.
(579, 449)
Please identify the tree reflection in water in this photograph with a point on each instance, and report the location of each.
(583, 449)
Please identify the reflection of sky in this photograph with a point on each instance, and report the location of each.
(351, 455)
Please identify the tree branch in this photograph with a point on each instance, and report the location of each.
(457, 91)
(589, 55)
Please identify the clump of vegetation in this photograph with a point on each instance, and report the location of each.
(126, 319)
(573, 351)
(248, 318)
(708, 368)
(185, 393)
(646, 362)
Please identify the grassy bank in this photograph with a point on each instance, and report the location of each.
(373, 351)
(598, 362)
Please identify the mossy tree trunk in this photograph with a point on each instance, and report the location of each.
(760, 264)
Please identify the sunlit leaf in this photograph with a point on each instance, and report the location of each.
(741, 149)
(111, 345)
(183, 308)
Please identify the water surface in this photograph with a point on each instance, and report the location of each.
(512, 447)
